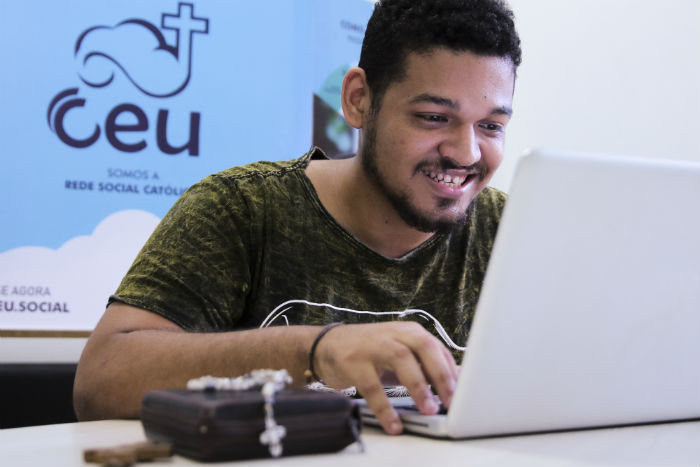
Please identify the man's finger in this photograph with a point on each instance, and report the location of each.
(411, 374)
(437, 364)
(372, 390)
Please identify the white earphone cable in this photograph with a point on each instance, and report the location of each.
(282, 308)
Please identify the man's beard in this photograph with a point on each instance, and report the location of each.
(401, 201)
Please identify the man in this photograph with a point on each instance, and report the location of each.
(406, 224)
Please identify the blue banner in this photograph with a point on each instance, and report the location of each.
(112, 109)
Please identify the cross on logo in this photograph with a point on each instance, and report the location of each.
(185, 24)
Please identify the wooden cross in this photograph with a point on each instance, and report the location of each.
(128, 454)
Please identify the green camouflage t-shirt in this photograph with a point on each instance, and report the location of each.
(241, 242)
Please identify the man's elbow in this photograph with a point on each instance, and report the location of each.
(90, 394)
(100, 390)
(84, 404)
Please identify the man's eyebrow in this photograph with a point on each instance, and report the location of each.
(433, 99)
(444, 101)
(503, 110)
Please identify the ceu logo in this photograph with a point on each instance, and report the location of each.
(138, 52)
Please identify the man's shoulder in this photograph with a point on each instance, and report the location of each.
(264, 169)
(250, 188)
(486, 212)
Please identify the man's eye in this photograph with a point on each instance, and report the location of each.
(432, 118)
(492, 127)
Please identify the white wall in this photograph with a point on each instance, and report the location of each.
(611, 76)
(41, 349)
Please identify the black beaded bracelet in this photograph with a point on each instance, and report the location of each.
(310, 373)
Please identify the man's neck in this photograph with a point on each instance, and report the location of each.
(360, 208)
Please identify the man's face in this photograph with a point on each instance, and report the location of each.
(439, 135)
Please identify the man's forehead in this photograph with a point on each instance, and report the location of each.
(445, 78)
(463, 66)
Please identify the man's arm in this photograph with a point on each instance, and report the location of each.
(132, 351)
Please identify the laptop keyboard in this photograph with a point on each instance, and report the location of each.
(413, 408)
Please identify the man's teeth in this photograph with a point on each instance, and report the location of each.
(449, 180)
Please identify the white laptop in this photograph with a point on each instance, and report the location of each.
(590, 312)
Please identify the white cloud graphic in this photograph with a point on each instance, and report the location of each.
(79, 276)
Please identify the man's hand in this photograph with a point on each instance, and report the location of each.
(357, 354)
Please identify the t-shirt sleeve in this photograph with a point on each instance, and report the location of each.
(194, 269)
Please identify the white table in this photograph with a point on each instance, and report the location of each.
(673, 444)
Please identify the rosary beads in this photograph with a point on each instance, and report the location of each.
(270, 382)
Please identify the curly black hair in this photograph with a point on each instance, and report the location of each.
(400, 27)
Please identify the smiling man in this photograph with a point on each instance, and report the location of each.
(407, 224)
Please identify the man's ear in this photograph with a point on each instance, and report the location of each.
(355, 97)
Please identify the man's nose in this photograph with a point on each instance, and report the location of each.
(462, 146)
